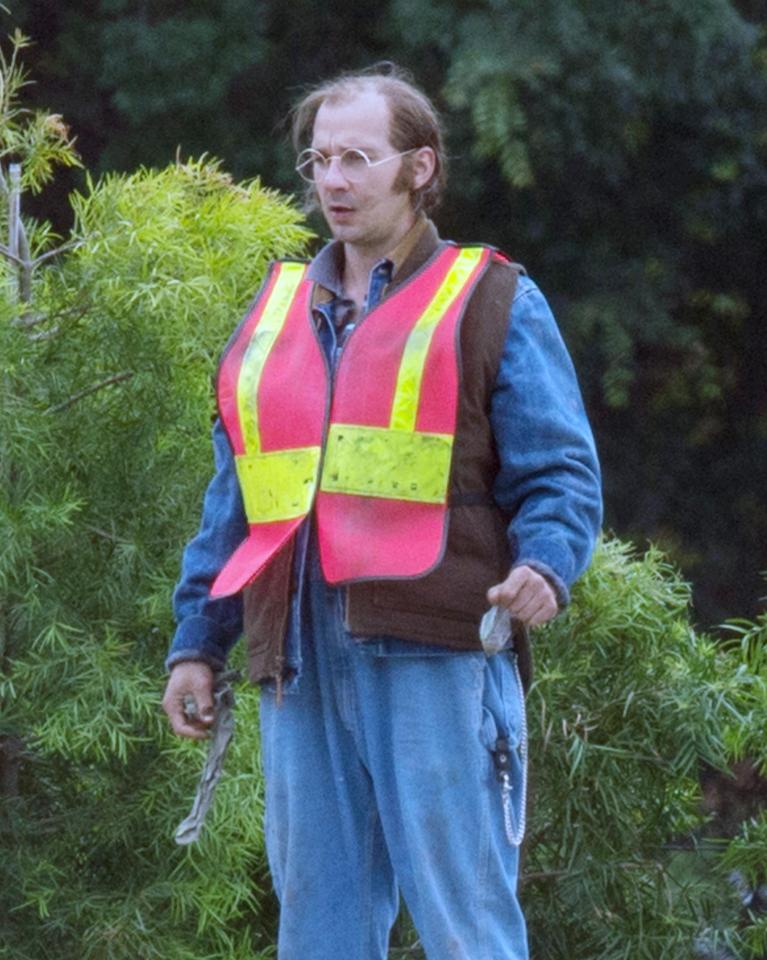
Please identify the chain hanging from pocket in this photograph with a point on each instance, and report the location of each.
(502, 759)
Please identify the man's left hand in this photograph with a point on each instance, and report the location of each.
(527, 595)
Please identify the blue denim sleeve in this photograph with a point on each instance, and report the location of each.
(549, 480)
(207, 629)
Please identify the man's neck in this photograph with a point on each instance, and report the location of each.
(359, 261)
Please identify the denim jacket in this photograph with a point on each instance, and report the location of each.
(548, 481)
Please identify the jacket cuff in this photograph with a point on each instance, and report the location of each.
(193, 656)
(193, 641)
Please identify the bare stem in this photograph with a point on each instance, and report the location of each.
(45, 334)
(29, 320)
(18, 245)
(70, 401)
(71, 245)
(14, 208)
(104, 534)
(543, 875)
(10, 256)
(11, 749)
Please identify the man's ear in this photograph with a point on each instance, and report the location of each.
(423, 165)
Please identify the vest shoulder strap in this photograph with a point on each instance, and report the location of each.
(498, 255)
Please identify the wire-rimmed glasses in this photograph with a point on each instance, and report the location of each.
(353, 163)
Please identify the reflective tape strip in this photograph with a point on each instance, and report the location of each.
(261, 342)
(378, 462)
(408, 390)
(278, 485)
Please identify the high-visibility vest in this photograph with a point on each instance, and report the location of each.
(370, 448)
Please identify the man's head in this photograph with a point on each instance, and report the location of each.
(396, 128)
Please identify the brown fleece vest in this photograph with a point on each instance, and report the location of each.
(445, 606)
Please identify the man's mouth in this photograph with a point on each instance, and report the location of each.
(340, 213)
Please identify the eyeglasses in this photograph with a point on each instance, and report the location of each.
(354, 164)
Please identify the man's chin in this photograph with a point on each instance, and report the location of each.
(344, 232)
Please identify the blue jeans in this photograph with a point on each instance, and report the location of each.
(379, 778)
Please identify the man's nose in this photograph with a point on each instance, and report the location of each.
(334, 176)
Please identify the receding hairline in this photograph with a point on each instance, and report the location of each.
(346, 96)
(345, 89)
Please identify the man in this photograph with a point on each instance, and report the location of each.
(401, 442)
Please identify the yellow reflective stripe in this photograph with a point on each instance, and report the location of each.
(408, 390)
(261, 342)
(278, 485)
(378, 462)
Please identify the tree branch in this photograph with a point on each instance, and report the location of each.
(45, 334)
(70, 401)
(11, 256)
(70, 314)
(71, 245)
(23, 261)
(105, 534)
(556, 874)
(543, 875)
(29, 320)
(11, 749)
(14, 208)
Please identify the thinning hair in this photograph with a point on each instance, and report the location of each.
(414, 123)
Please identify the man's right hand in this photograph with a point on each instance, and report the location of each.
(190, 681)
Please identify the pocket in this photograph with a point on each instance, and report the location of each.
(504, 734)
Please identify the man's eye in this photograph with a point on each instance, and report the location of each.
(355, 160)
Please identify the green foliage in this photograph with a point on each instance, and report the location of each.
(748, 855)
(106, 403)
(35, 138)
(627, 704)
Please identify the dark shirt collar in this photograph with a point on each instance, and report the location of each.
(326, 269)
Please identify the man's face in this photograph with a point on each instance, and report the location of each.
(369, 213)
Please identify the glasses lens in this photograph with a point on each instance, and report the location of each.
(354, 164)
(311, 165)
